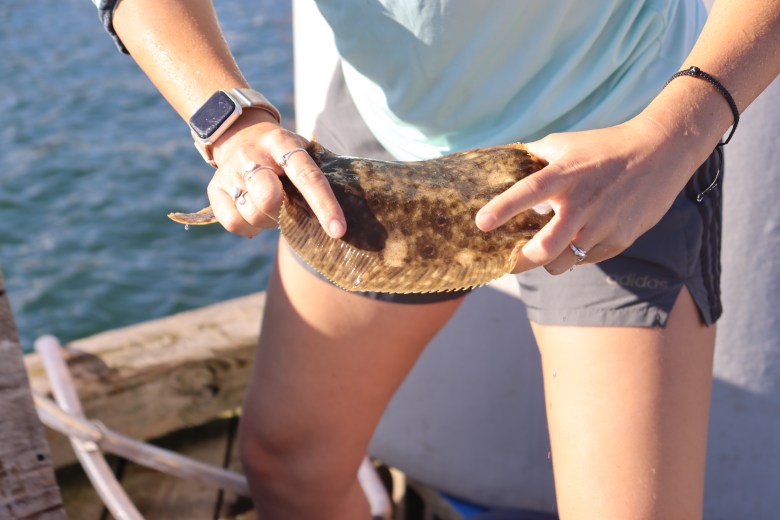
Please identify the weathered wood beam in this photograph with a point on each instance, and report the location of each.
(28, 488)
(160, 376)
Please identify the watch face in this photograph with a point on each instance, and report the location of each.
(212, 114)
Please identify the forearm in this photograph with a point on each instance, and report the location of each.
(738, 46)
(180, 46)
(740, 43)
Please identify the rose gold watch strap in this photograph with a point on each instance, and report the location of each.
(251, 98)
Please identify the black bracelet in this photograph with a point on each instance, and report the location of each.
(696, 72)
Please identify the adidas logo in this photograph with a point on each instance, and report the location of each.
(637, 281)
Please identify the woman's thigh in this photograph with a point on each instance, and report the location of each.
(627, 410)
(327, 364)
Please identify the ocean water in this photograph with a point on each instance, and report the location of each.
(91, 160)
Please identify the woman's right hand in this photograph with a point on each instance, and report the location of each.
(250, 156)
(187, 71)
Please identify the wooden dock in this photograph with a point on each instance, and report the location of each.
(163, 497)
(158, 377)
(27, 485)
(178, 380)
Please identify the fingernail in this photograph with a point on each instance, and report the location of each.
(486, 221)
(543, 208)
(336, 228)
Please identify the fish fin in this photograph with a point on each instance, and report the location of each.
(340, 262)
(354, 269)
(203, 217)
(430, 279)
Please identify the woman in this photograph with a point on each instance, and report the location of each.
(626, 337)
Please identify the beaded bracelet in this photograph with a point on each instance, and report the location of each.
(696, 72)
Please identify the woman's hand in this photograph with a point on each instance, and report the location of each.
(606, 186)
(251, 157)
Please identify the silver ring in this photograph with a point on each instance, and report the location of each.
(286, 155)
(251, 168)
(580, 253)
(235, 193)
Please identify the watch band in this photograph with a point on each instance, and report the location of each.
(250, 98)
(216, 116)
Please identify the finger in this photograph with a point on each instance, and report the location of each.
(569, 258)
(225, 210)
(550, 148)
(250, 213)
(264, 198)
(311, 182)
(549, 243)
(531, 191)
(589, 246)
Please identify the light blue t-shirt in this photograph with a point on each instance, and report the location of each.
(432, 77)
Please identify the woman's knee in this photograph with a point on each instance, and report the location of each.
(286, 463)
(266, 455)
(293, 477)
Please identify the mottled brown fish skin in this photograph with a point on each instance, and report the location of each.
(410, 225)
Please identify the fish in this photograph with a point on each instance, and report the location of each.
(410, 225)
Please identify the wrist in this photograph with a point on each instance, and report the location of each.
(692, 112)
(221, 112)
(689, 117)
(249, 118)
(696, 72)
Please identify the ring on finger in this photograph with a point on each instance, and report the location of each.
(238, 195)
(580, 253)
(252, 168)
(286, 155)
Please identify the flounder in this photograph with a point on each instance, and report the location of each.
(410, 225)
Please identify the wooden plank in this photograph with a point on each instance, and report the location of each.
(162, 497)
(233, 506)
(151, 379)
(79, 497)
(28, 488)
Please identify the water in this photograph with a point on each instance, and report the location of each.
(92, 159)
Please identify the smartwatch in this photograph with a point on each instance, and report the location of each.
(219, 112)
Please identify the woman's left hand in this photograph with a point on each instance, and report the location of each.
(606, 186)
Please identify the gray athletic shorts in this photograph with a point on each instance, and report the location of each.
(636, 288)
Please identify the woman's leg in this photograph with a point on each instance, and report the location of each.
(327, 364)
(628, 410)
